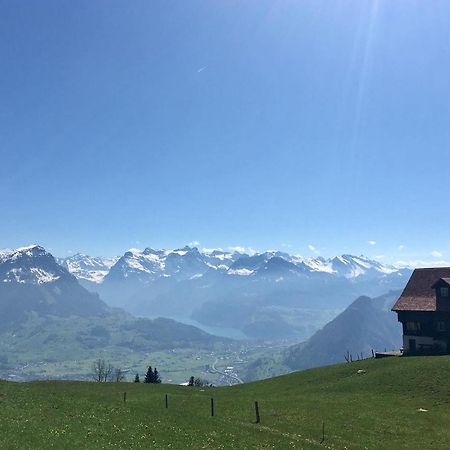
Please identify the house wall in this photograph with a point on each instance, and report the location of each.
(423, 340)
(428, 338)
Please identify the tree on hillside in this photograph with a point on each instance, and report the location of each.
(137, 379)
(198, 382)
(149, 375)
(102, 370)
(156, 377)
(119, 375)
(152, 376)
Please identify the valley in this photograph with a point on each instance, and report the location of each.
(220, 325)
(263, 296)
(226, 365)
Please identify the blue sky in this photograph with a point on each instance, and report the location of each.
(313, 126)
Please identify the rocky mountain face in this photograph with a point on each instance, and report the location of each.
(87, 268)
(32, 282)
(30, 265)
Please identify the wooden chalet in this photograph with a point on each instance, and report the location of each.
(424, 311)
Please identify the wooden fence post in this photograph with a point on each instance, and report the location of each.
(258, 418)
(323, 433)
(167, 401)
(212, 407)
(124, 397)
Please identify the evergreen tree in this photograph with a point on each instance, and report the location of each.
(191, 381)
(156, 377)
(136, 378)
(149, 377)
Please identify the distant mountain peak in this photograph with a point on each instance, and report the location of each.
(31, 264)
(87, 268)
(189, 261)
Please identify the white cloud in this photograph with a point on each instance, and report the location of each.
(422, 263)
(237, 248)
(436, 254)
(201, 69)
(401, 247)
(380, 256)
(194, 244)
(241, 249)
(313, 249)
(210, 250)
(372, 242)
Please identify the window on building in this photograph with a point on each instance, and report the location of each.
(444, 292)
(441, 325)
(413, 326)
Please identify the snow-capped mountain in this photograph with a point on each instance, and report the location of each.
(349, 266)
(32, 282)
(148, 265)
(88, 268)
(219, 259)
(355, 266)
(138, 265)
(30, 265)
(252, 265)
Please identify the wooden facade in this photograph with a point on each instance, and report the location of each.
(424, 311)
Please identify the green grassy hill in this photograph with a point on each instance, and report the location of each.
(378, 409)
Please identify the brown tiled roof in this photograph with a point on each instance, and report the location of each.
(418, 294)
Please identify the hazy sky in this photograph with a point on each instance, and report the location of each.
(307, 126)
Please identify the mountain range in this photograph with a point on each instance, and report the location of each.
(52, 309)
(149, 264)
(269, 295)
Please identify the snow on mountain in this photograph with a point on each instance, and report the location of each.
(317, 264)
(219, 259)
(185, 263)
(248, 265)
(190, 262)
(141, 265)
(30, 265)
(354, 266)
(88, 268)
(240, 272)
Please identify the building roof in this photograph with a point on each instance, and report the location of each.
(418, 294)
(441, 282)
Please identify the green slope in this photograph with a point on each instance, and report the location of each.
(367, 324)
(377, 410)
(52, 347)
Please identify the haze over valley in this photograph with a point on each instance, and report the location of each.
(59, 314)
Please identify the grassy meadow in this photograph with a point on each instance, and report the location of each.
(395, 403)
